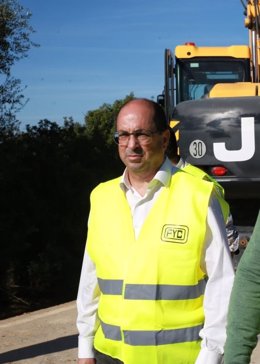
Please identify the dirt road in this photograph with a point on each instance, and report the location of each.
(44, 336)
(47, 336)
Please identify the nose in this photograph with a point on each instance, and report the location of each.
(133, 141)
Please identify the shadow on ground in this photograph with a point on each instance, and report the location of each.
(48, 347)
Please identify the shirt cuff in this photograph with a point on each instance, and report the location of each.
(85, 347)
(209, 356)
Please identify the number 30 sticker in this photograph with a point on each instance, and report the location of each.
(197, 148)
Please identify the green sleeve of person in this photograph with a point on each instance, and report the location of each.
(244, 308)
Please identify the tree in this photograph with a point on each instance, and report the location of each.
(15, 43)
(11, 101)
(46, 176)
(102, 120)
(45, 181)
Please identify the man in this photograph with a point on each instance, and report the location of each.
(244, 309)
(156, 235)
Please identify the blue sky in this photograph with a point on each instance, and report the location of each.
(96, 51)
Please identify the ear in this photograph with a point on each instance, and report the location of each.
(166, 138)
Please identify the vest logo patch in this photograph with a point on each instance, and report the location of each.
(175, 234)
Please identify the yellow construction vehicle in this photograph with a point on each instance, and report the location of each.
(211, 99)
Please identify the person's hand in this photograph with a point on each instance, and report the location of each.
(87, 361)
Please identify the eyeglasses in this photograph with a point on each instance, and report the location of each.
(143, 136)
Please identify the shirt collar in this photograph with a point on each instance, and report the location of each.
(181, 164)
(162, 176)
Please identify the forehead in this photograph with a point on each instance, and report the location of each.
(135, 117)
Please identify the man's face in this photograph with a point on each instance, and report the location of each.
(141, 157)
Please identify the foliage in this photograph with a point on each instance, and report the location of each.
(15, 43)
(100, 122)
(11, 101)
(15, 34)
(46, 175)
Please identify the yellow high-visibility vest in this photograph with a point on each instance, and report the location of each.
(152, 287)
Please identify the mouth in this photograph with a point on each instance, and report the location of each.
(134, 157)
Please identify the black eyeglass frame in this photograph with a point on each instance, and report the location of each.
(143, 136)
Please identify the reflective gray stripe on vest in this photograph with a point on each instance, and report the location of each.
(111, 332)
(163, 291)
(145, 338)
(162, 337)
(151, 291)
(110, 286)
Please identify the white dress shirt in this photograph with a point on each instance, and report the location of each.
(216, 262)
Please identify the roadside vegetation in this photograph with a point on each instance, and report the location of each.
(46, 174)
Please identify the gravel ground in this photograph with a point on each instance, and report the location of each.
(47, 336)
